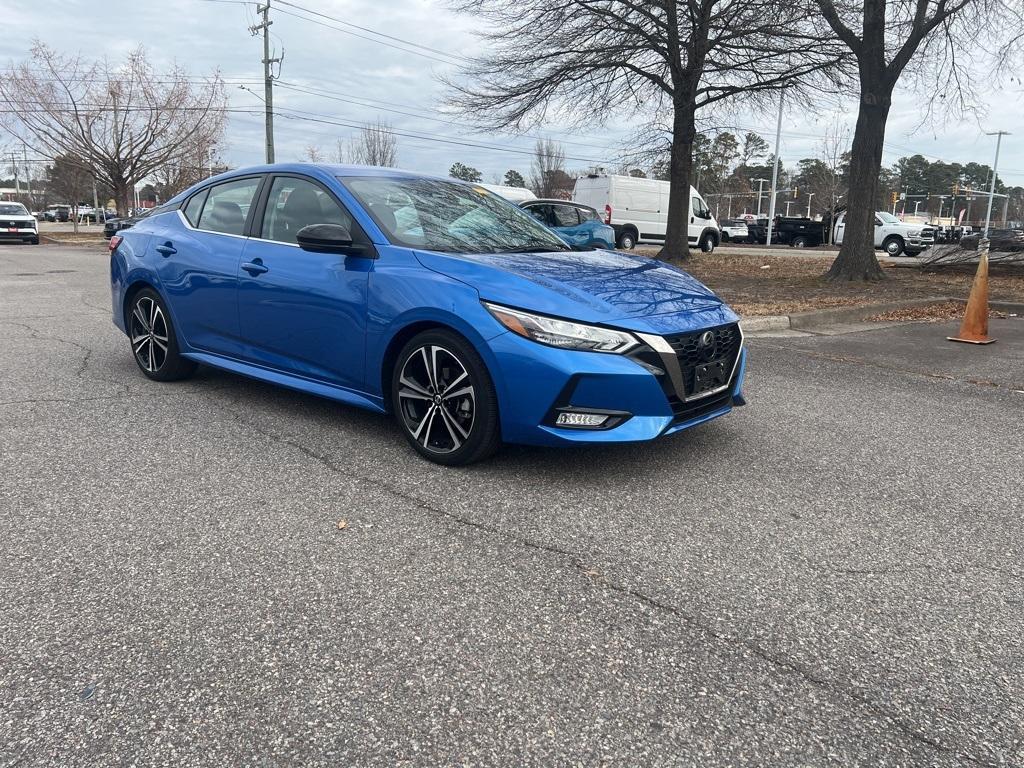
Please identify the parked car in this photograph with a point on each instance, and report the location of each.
(16, 223)
(429, 299)
(892, 235)
(637, 209)
(57, 213)
(734, 230)
(798, 231)
(113, 225)
(578, 225)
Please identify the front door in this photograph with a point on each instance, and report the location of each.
(700, 217)
(301, 312)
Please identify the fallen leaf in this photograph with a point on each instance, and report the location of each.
(342, 524)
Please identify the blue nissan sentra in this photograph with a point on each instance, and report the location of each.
(430, 299)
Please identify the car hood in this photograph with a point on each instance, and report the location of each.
(592, 286)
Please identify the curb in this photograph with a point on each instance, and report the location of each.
(823, 318)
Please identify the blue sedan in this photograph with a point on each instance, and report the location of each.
(430, 299)
(575, 223)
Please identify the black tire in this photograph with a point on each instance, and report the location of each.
(153, 342)
(427, 366)
(707, 243)
(893, 245)
(626, 240)
(800, 242)
(34, 241)
(725, 237)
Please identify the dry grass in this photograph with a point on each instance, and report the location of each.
(781, 285)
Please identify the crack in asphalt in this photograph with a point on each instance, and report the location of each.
(776, 661)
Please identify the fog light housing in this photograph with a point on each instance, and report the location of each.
(581, 419)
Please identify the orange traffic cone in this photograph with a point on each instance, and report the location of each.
(974, 328)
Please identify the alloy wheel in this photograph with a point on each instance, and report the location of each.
(437, 399)
(149, 334)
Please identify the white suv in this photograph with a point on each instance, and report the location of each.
(16, 223)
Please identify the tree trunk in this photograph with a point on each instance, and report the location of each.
(684, 131)
(124, 197)
(856, 259)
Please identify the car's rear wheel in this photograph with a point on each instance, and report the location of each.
(444, 399)
(154, 343)
(707, 242)
(801, 242)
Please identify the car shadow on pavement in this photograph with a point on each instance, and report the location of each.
(302, 416)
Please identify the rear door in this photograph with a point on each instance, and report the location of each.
(301, 312)
(197, 250)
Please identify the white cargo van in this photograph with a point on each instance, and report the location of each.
(512, 194)
(637, 209)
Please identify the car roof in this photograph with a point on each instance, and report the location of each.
(329, 169)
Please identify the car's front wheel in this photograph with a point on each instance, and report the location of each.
(154, 343)
(444, 399)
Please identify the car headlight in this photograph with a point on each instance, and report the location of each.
(562, 333)
(913, 233)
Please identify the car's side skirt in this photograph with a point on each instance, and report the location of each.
(309, 386)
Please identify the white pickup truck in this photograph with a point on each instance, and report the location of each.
(892, 235)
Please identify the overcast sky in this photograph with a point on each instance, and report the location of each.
(401, 86)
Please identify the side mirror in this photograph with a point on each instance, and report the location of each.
(326, 238)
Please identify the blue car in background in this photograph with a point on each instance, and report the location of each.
(579, 225)
(430, 299)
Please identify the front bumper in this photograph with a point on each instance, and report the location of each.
(535, 382)
(19, 233)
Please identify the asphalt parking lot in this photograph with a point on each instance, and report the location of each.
(833, 575)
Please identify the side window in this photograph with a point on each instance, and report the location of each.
(565, 216)
(697, 207)
(295, 203)
(227, 205)
(541, 213)
(194, 206)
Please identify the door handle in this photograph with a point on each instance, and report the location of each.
(166, 249)
(255, 267)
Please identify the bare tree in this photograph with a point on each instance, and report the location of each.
(934, 40)
(313, 154)
(547, 171)
(588, 59)
(194, 165)
(375, 144)
(69, 179)
(123, 121)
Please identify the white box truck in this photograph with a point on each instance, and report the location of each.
(637, 209)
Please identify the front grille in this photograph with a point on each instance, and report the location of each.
(683, 411)
(707, 366)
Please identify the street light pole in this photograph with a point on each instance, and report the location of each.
(775, 167)
(992, 187)
(760, 192)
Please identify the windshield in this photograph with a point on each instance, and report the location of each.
(888, 218)
(438, 215)
(13, 209)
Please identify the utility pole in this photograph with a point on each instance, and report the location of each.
(28, 177)
(775, 167)
(268, 77)
(17, 179)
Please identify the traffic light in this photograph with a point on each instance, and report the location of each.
(893, 200)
